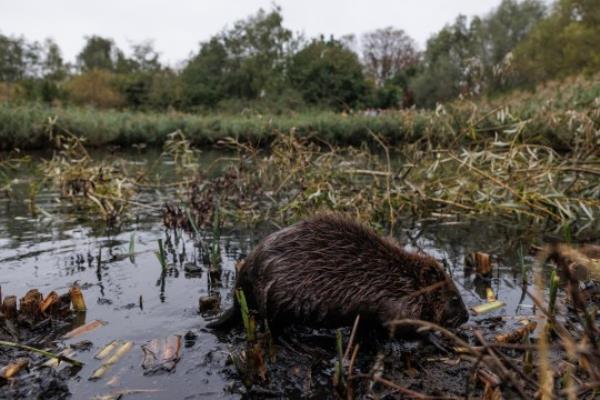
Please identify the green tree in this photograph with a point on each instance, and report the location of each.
(498, 33)
(327, 73)
(12, 59)
(166, 90)
(506, 26)
(204, 76)
(257, 49)
(53, 67)
(135, 74)
(566, 42)
(467, 58)
(35, 67)
(145, 57)
(445, 65)
(245, 62)
(395, 92)
(99, 53)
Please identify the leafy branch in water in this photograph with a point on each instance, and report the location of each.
(295, 177)
(101, 186)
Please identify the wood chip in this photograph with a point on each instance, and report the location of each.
(90, 326)
(487, 307)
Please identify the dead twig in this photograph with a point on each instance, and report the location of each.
(408, 392)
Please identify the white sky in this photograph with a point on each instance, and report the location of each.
(177, 26)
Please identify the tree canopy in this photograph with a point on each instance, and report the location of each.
(259, 62)
(329, 74)
(566, 42)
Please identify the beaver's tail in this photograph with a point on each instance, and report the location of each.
(229, 319)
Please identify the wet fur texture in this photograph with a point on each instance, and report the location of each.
(326, 270)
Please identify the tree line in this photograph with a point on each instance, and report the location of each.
(259, 63)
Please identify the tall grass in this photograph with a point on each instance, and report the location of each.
(26, 126)
(557, 116)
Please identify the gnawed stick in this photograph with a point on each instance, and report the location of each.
(408, 392)
(42, 352)
(425, 325)
(517, 334)
(501, 367)
(352, 336)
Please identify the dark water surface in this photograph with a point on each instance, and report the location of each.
(61, 246)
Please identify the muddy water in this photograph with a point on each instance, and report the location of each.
(63, 245)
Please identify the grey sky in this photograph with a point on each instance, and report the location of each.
(177, 26)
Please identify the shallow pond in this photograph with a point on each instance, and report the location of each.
(63, 245)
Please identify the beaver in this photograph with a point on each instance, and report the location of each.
(326, 270)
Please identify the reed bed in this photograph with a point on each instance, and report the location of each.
(297, 177)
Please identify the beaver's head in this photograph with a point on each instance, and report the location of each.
(442, 303)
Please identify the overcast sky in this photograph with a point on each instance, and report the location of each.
(177, 26)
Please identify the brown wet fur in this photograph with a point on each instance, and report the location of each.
(326, 270)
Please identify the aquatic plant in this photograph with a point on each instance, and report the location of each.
(338, 377)
(247, 318)
(250, 363)
(554, 281)
(507, 180)
(132, 248)
(101, 186)
(180, 150)
(215, 245)
(522, 267)
(11, 162)
(161, 255)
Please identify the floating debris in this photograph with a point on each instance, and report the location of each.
(161, 354)
(107, 364)
(192, 268)
(487, 307)
(518, 334)
(83, 345)
(209, 303)
(14, 368)
(90, 326)
(106, 350)
(490, 295)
